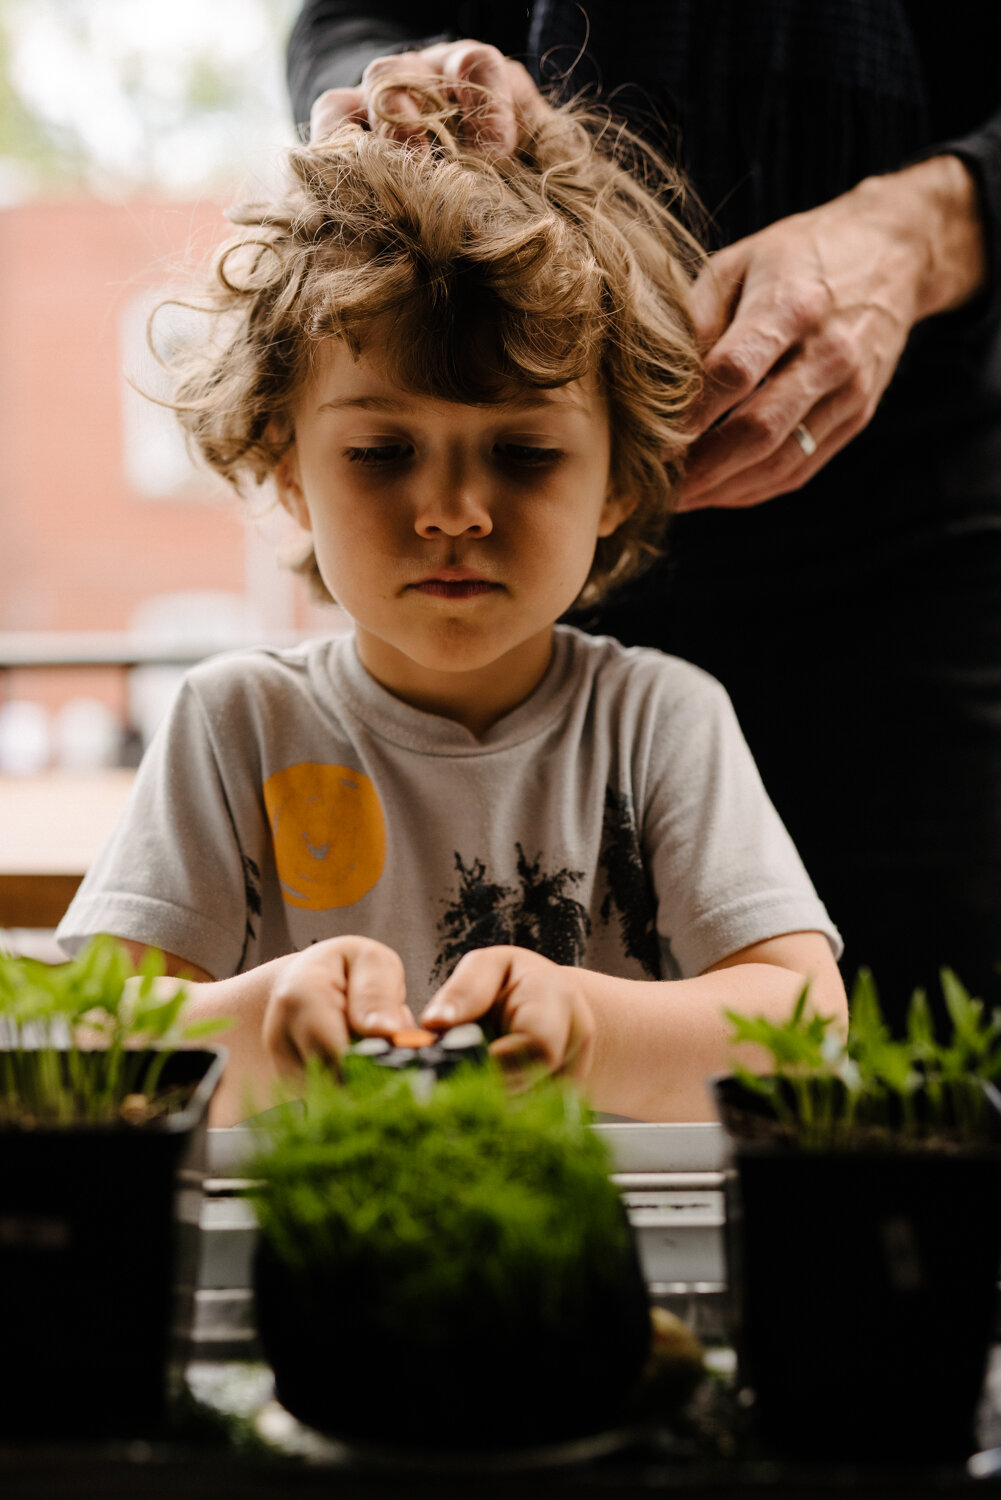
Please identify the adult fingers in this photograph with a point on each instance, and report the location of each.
(391, 108)
(737, 336)
(483, 89)
(830, 426)
(823, 365)
(332, 109)
(492, 90)
(753, 303)
(713, 296)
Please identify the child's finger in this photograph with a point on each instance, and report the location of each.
(376, 989)
(320, 1030)
(477, 982)
(305, 1011)
(545, 1011)
(537, 1025)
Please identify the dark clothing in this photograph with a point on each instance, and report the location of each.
(857, 622)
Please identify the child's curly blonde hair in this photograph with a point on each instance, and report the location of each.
(491, 273)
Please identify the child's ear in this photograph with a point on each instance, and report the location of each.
(289, 486)
(615, 510)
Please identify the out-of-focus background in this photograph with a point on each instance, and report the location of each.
(126, 126)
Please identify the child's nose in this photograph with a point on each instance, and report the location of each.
(454, 505)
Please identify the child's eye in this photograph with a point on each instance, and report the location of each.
(380, 454)
(527, 455)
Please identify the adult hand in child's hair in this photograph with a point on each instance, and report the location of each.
(319, 997)
(805, 322)
(543, 1013)
(467, 72)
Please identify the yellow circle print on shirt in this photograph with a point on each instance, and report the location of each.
(328, 833)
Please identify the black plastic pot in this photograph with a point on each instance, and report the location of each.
(863, 1289)
(478, 1381)
(98, 1262)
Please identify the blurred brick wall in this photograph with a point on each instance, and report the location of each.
(80, 549)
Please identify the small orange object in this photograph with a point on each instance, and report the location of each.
(413, 1036)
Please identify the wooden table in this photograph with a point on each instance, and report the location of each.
(51, 827)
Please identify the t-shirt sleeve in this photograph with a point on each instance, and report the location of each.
(725, 870)
(172, 872)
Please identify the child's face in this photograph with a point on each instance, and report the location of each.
(453, 535)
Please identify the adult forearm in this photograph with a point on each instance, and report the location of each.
(933, 212)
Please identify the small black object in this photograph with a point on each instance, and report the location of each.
(430, 1057)
(397, 1057)
(465, 1043)
(372, 1046)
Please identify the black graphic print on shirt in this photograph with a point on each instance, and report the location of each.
(541, 913)
(252, 894)
(629, 891)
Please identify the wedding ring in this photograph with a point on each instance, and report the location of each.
(805, 439)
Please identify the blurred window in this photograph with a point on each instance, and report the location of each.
(154, 455)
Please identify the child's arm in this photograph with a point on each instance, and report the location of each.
(286, 1010)
(639, 1047)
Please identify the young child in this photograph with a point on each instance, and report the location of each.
(469, 381)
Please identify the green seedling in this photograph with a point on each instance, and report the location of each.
(80, 1044)
(828, 1090)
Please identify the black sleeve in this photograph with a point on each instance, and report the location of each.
(332, 41)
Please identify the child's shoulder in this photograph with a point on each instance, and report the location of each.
(259, 675)
(641, 670)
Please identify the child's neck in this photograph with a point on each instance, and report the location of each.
(476, 698)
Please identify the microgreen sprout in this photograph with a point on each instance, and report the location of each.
(80, 1044)
(472, 1196)
(826, 1089)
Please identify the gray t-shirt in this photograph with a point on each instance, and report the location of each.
(614, 820)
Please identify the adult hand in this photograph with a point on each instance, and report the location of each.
(805, 322)
(540, 1005)
(320, 996)
(467, 68)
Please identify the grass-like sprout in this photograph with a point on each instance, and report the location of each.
(466, 1237)
(80, 1044)
(827, 1090)
(470, 1192)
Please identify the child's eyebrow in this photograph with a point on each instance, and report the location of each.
(536, 400)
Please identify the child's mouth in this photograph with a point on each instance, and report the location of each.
(466, 588)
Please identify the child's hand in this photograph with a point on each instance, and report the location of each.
(320, 996)
(541, 1007)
